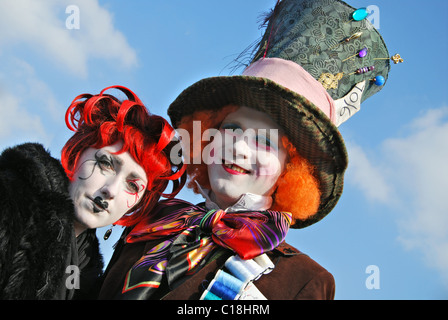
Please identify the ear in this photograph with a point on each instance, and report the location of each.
(347, 106)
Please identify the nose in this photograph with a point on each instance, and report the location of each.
(241, 149)
(110, 189)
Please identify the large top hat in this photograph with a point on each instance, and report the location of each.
(317, 61)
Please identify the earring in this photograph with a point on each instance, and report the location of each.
(108, 233)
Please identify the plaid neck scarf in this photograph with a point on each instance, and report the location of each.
(190, 235)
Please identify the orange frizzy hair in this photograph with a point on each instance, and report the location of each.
(103, 120)
(297, 189)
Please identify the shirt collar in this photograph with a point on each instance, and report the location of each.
(246, 202)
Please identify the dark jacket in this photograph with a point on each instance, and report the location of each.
(37, 240)
(295, 276)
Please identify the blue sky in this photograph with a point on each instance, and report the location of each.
(393, 213)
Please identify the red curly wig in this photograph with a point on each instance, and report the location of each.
(297, 189)
(102, 120)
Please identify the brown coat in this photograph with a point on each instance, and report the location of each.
(295, 277)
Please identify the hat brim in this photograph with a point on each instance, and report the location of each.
(307, 127)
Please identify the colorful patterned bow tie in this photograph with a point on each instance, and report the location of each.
(190, 235)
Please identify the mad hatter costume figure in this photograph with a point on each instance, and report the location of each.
(276, 161)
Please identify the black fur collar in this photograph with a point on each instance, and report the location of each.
(36, 166)
(36, 224)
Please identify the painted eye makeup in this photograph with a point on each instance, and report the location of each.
(260, 140)
(231, 127)
(264, 142)
(134, 186)
(105, 162)
(134, 189)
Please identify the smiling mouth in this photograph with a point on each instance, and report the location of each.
(234, 169)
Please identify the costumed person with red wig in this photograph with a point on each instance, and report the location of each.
(113, 170)
(265, 152)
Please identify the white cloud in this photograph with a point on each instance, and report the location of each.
(420, 162)
(41, 26)
(16, 124)
(368, 176)
(29, 109)
(414, 170)
(22, 80)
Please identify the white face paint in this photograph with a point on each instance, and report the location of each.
(116, 181)
(248, 156)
